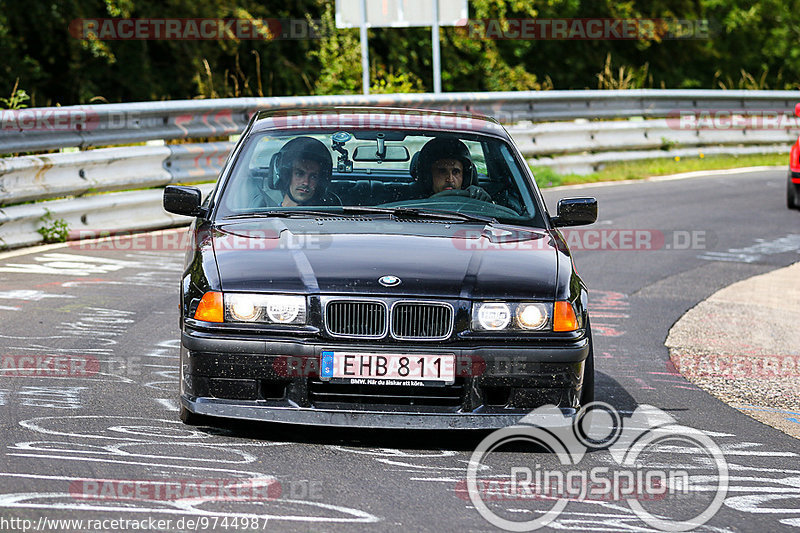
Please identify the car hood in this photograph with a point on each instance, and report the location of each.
(349, 256)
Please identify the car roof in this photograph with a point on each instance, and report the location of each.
(372, 118)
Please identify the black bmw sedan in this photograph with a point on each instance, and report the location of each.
(387, 268)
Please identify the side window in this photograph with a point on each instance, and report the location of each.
(517, 195)
(263, 151)
(478, 157)
(248, 187)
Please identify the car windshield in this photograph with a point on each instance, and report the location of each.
(469, 176)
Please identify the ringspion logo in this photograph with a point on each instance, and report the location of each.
(638, 472)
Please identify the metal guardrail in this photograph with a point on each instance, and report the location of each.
(192, 163)
(39, 129)
(89, 216)
(588, 163)
(572, 137)
(581, 146)
(42, 177)
(45, 177)
(589, 146)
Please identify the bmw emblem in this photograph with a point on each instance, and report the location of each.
(389, 281)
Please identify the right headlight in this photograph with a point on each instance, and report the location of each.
(492, 316)
(265, 308)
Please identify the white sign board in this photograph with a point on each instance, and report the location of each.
(400, 13)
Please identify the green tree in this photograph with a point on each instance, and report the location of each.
(751, 45)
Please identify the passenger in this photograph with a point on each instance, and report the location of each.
(445, 167)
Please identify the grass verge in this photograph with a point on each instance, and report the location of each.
(547, 177)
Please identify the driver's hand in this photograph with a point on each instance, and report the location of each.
(478, 193)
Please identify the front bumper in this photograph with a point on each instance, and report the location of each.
(276, 380)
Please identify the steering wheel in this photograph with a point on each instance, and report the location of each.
(452, 192)
(460, 201)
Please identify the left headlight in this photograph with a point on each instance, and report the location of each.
(265, 308)
(499, 316)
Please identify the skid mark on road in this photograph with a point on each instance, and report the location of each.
(608, 311)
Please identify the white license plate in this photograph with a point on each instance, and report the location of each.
(386, 368)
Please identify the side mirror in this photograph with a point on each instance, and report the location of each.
(183, 200)
(575, 212)
(797, 109)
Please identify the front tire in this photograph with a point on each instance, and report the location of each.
(587, 390)
(192, 419)
(791, 194)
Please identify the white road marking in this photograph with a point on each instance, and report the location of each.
(671, 177)
(171, 405)
(118, 450)
(69, 265)
(30, 295)
(755, 252)
(51, 397)
(753, 503)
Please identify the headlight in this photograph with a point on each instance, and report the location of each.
(532, 316)
(285, 310)
(497, 316)
(265, 308)
(243, 309)
(494, 316)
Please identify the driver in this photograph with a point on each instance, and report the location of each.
(304, 171)
(445, 167)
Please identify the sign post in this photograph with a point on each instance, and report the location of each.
(437, 63)
(365, 14)
(364, 49)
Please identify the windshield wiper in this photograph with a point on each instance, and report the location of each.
(282, 214)
(414, 212)
(394, 212)
(444, 215)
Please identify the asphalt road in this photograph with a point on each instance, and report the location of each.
(69, 444)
